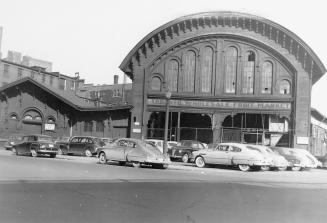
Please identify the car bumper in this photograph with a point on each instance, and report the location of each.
(46, 151)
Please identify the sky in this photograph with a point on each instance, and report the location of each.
(93, 37)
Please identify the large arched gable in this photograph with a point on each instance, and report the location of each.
(229, 24)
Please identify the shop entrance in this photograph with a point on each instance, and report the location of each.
(181, 126)
(265, 129)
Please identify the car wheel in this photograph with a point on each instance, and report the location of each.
(14, 151)
(33, 153)
(265, 168)
(88, 153)
(102, 158)
(121, 163)
(185, 158)
(53, 155)
(296, 168)
(244, 167)
(199, 162)
(136, 164)
(282, 168)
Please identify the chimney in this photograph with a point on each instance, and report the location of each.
(115, 79)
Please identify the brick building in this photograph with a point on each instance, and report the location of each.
(232, 77)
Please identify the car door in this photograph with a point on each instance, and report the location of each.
(134, 152)
(21, 145)
(117, 150)
(73, 145)
(221, 155)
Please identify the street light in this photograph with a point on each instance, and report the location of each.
(168, 95)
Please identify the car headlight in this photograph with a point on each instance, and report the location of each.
(42, 146)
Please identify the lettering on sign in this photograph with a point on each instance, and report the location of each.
(222, 104)
(49, 127)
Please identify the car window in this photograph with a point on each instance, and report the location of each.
(75, 140)
(32, 138)
(235, 149)
(122, 143)
(186, 143)
(254, 148)
(131, 144)
(25, 139)
(223, 148)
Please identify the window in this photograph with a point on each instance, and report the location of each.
(88, 126)
(230, 70)
(189, 72)
(6, 70)
(116, 93)
(155, 84)
(285, 87)
(62, 84)
(51, 120)
(13, 116)
(37, 118)
(99, 126)
(19, 73)
(28, 117)
(266, 78)
(172, 77)
(248, 73)
(207, 68)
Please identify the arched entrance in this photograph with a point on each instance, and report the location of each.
(32, 122)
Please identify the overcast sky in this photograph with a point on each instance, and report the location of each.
(92, 37)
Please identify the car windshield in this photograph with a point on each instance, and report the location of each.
(99, 141)
(172, 143)
(150, 148)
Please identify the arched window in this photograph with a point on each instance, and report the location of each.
(189, 72)
(230, 70)
(13, 116)
(266, 78)
(248, 73)
(285, 87)
(206, 71)
(28, 117)
(51, 120)
(155, 84)
(37, 118)
(172, 77)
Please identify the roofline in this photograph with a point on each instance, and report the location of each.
(80, 108)
(127, 59)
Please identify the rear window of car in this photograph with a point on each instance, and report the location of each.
(44, 138)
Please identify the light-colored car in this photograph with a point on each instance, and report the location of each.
(297, 160)
(107, 141)
(276, 161)
(134, 151)
(311, 160)
(232, 154)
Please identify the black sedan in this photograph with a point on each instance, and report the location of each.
(34, 145)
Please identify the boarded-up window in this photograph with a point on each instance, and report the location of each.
(266, 78)
(230, 70)
(189, 72)
(172, 75)
(155, 84)
(207, 67)
(248, 73)
(285, 87)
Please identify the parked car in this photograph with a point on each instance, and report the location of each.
(133, 151)
(81, 145)
(276, 161)
(183, 150)
(35, 145)
(12, 140)
(159, 143)
(230, 154)
(297, 161)
(316, 163)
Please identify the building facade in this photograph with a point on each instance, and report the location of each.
(318, 139)
(231, 76)
(28, 106)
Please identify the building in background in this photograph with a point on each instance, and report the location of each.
(232, 77)
(318, 139)
(12, 69)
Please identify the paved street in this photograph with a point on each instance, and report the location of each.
(77, 189)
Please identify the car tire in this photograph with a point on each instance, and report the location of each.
(14, 151)
(60, 152)
(185, 158)
(53, 155)
(282, 168)
(199, 162)
(33, 153)
(244, 167)
(265, 168)
(296, 168)
(102, 158)
(121, 163)
(88, 153)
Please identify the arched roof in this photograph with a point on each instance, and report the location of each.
(273, 31)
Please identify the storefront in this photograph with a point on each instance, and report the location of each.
(230, 77)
